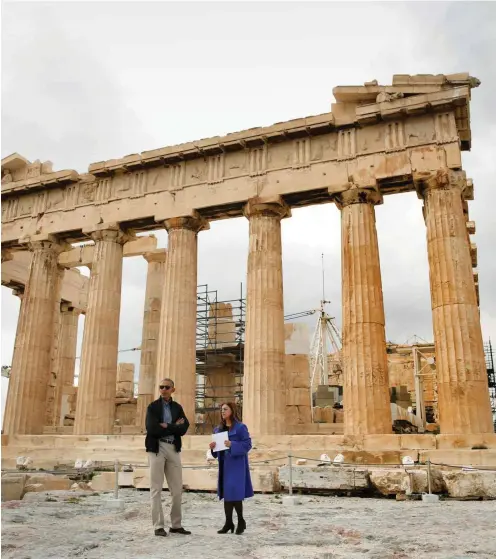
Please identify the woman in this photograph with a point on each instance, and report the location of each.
(234, 482)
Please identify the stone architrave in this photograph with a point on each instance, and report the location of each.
(366, 399)
(66, 361)
(264, 397)
(463, 394)
(151, 324)
(95, 409)
(176, 353)
(28, 383)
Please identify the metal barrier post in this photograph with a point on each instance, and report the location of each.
(429, 485)
(116, 469)
(290, 461)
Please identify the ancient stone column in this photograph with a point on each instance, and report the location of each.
(176, 355)
(95, 409)
(53, 374)
(264, 398)
(366, 399)
(66, 361)
(151, 324)
(463, 394)
(18, 292)
(25, 409)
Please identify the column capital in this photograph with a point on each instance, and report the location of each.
(357, 196)
(194, 222)
(43, 242)
(443, 179)
(273, 206)
(108, 232)
(157, 255)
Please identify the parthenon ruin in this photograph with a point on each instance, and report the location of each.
(377, 140)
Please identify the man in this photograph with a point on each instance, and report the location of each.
(165, 425)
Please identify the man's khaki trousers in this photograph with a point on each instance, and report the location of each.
(167, 462)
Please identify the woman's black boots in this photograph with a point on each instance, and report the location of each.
(241, 527)
(229, 525)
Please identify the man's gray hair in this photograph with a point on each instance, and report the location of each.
(169, 380)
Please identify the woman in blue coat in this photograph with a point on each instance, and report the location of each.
(234, 481)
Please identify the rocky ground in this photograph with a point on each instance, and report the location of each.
(60, 525)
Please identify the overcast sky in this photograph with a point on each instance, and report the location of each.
(84, 82)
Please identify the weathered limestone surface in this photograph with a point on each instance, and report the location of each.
(366, 384)
(74, 289)
(53, 373)
(389, 482)
(417, 481)
(176, 354)
(25, 407)
(264, 479)
(66, 361)
(46, 482)
(332, 478)
(368, 135)
(264, 378)
(95, 408)
(463, 394)
(13, 486)
(124, 387)
(470, 483)
(221, 328)
(151, 324)
(298, 398)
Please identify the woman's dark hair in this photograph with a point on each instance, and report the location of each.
(234, 416)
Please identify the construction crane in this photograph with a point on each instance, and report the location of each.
(299, 314)
(326, 336)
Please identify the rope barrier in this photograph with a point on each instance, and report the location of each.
(289, 457)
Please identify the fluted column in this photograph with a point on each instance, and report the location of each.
(176, 355)
(66, 360)
(95, 409)
(264, 398)
(18, 292)
(52, 382)
(25, 409)
(366, 398)
(463, 394)
(151, 325)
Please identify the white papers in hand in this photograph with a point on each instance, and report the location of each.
(220, 439)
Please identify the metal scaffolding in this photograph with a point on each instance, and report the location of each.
(491, 377)
(219, 345)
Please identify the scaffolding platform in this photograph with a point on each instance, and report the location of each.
(220, 331)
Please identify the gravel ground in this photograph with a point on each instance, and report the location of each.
(60, 526)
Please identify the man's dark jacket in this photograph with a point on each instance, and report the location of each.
(154, 432)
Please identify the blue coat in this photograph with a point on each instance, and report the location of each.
(234, 481)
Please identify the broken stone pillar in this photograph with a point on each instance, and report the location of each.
(125, 381)
(264, 398)
(151, 324)
(95, 409)
(25, 409)
(221, 326)
(365, 370)
(176, 354)
(66, 361)
(463, 393)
